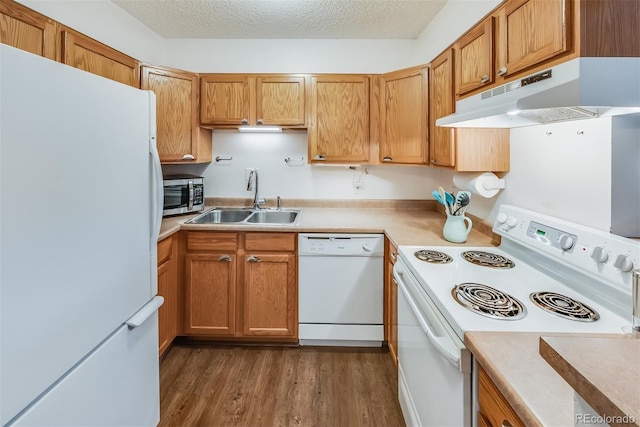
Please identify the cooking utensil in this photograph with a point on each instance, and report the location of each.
(437, 196)
(462, 200)
(448, 200)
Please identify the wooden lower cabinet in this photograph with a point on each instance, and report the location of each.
(270, 297)
(495, 411)
(241, 285)
(391, 301)
(168, 289)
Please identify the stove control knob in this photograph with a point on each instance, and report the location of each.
(599, 255)
(502, 218)
(566, 242)
(623, 263)
(511, 221)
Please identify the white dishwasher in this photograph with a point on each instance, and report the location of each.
(340, 280)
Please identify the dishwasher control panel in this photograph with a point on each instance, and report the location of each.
(321, 244)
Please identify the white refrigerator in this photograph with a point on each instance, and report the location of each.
(80, 212)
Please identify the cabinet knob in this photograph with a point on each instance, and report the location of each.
(484, 78)
(434, 161)
(506, 423)
(502, 71)
(260, 121)
(245, 121)
(387, 159)
(253, 258)
(318, 157)
(188, 157)
(225, 258)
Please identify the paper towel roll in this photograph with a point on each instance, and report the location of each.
(484, 184)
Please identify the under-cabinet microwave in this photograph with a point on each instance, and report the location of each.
(183, 194)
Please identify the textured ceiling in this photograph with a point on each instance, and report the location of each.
(284, 19)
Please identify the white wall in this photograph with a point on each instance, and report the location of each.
(563, 174)
(290, 56)
(107, 23)
(267, 152)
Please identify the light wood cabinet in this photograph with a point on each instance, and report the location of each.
(441, 103)
(339, 126)
(494, 409)
(229, 100)
(168, 289)
(461, 149)
(474, 58)
(87, 54)
(391, 301)
(26, 29)
(403, 116)
(241, 285)
(531, 32)
(180, 139)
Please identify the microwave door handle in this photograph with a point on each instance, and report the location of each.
(190, 195)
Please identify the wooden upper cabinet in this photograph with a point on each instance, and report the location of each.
(280, 100)
(87, 54)
(339, 118)
(229, 100)
(441, 103)
(403, 116)
(26, 29)
(179, 136)
(530, 32)
(474, 58)
(224, 99)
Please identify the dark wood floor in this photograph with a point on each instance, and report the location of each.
(278, 386)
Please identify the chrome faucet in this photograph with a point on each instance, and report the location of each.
(256, 200)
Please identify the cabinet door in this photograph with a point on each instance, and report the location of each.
(26, 29)
(280, 100)
(179, 137)
(474, 59)
(391, 309)
(339, 119)
(210, 294)
(270, 295)
(403, 115)
(531, 31)
(494, 408)
(224, 99)
(441, 103)
(164, 323)
(84, 53)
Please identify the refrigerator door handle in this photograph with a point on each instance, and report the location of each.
(157, 192)
(145, 312)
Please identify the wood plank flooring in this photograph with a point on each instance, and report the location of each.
(278, 386)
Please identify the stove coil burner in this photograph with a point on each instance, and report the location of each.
(564, 306)
(488, 301)
(487, 259)
(434, 257)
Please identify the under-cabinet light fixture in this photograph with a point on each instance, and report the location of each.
(259, 129)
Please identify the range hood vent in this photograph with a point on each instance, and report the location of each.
(582, 88)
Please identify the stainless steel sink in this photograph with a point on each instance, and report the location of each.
(221, 215)
(273, 217)
(248, 216)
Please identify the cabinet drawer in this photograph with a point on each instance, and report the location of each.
(493, 405)
(270, 242)
(392, 253)
(164, 249)
(211, 241)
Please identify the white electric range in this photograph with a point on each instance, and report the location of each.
(547, 275)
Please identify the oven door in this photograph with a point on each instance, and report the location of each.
(434, 367)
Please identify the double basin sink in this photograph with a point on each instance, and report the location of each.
(248, 216)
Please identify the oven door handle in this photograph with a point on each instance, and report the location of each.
(439, 343)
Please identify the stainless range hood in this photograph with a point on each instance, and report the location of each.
(582, 88)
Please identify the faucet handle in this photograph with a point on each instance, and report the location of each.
(278, 202)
